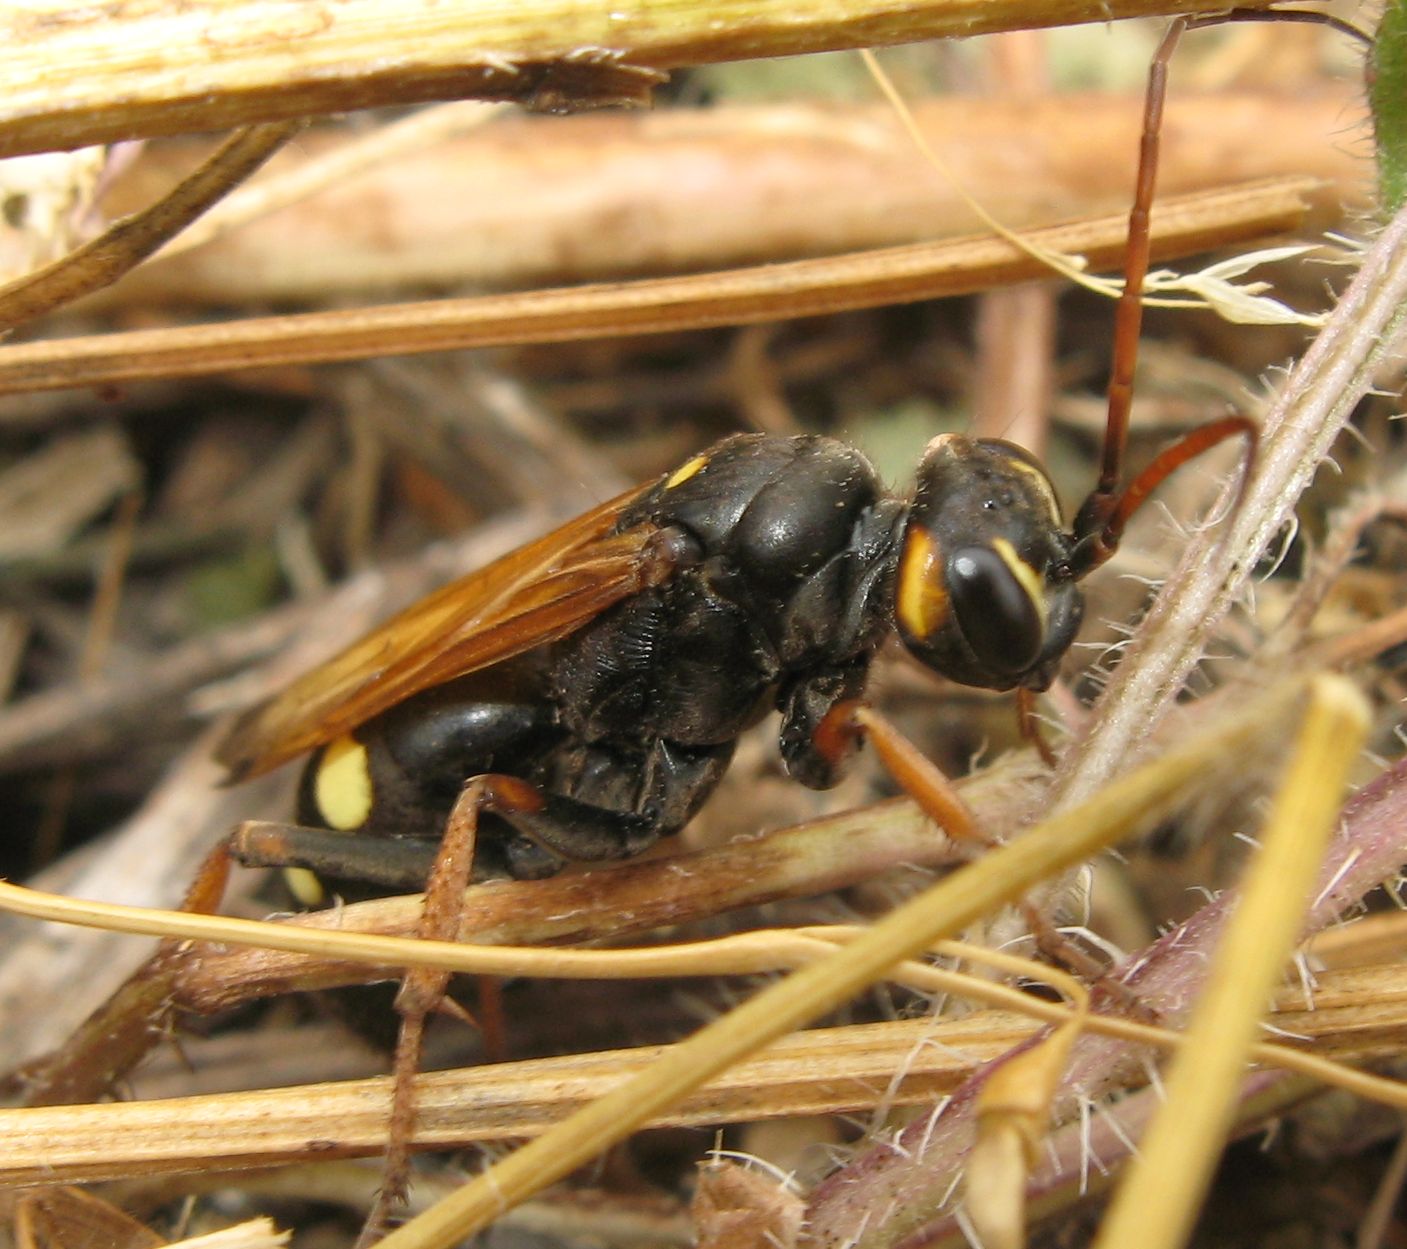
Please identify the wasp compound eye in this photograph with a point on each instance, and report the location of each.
(999, 605)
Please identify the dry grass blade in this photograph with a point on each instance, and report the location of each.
(726, 185)
(828, 1071)
(801, 288)
(1160, 1199)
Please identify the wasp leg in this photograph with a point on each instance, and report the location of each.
(1030, 727)
(815, 757)
(917, 775)
(934, 793)
(579, 832)
(390, 862)
(423, 988)
(676, 781)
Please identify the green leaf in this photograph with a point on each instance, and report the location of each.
(1387, 97)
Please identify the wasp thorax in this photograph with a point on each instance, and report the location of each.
(984, 592)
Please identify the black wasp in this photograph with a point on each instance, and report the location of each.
(612, 664)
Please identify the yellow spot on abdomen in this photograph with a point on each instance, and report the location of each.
(342, 787)
(304, 885)
(686, 470)
(921, 600)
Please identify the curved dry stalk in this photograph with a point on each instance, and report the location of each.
(915, 1172)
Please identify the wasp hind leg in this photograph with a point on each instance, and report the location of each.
(395, 863)
(619, 806)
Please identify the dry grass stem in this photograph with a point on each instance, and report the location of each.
(255, 1234)
(1359, 1015)
(128, 242)
(725, 186)
(425, 129)
(80, 76)
(801, 288)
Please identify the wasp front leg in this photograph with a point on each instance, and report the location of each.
(839, 733)
(819, 760)
(824, 720)
(935, 794)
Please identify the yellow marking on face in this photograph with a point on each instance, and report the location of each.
(686, 470)
(1043, 487)
(342, 786)
(305, 886)
(1029, 578)
(921, 599)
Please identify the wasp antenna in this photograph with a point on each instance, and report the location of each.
(1128, 315)
(1311, 17)
(1097, 545)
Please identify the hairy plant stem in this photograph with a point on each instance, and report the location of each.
(1318, 398)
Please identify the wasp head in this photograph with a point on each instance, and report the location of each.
(985, 592)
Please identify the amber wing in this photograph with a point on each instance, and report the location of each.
(537, 594)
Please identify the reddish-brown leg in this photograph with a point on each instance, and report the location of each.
(1101, 520)
(916, 775)
(423, 989)
(925, 783)
(1030, 727)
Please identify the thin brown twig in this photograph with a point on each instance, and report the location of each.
(128, 242)
(771, 292)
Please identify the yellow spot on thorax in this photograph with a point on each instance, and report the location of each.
(342, 786)
(921, 600)
(686, 470)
